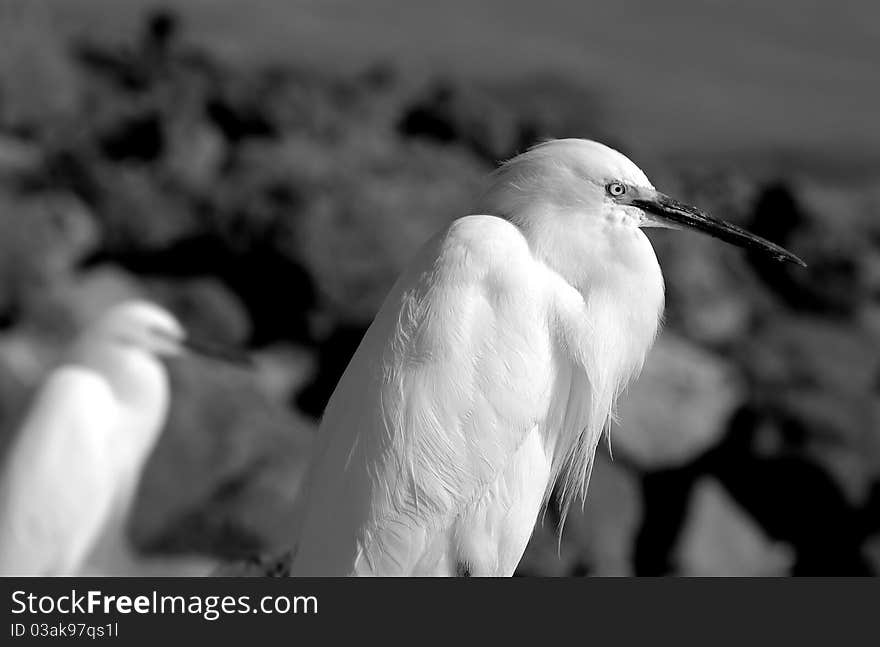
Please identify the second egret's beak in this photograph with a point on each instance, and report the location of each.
(217, 351)
(672, 212)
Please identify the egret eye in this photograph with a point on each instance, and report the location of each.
(615, 189)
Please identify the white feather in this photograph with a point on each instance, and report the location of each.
(488, 375)
(72, 471)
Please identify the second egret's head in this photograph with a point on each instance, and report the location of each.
(149, 328)
(141, 325)
(576, 194)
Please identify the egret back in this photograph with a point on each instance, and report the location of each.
(457, 371)
(57, 486)
(141, 393)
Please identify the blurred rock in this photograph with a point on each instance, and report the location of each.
(707, 299)
(868, 318)
(869, 266)
(602, 535)
(44, 236)
(873, 455)
(455, 114)
(678, 407)
(137, 138)
(853, 466)
(20, 371)
(135, 67)
(872, 552)
(239, 116)
(283, 369)
(817, 377)
(711, 294)
(251, 273)
(771, 473)
(225, 474)
(828, 233)
(69, 230)
(333, 355)
(665, 497)
(597, 540)
(18, 156)
(371, 218)
(720, 539)
(195, 153)
(812, 351)
(39, 84)
(205, 307)
(260, 507)
(551, 106)
(826, 415)
(379, 76)
(29, 352)
(725, 193)
(544, 555)
(137, 211)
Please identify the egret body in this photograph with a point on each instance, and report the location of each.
(492, 368)
(72, 471)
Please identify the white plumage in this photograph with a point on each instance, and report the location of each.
(488, 374)
(72, 471)
(491, 370)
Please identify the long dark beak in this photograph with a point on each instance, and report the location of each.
(676, 213)
(218, 352)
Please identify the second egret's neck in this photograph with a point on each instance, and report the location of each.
(138, 380)
(139, 383)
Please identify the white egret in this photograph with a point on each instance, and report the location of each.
(73, 468)
(491, 370)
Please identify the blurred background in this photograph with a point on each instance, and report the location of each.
(266, 168)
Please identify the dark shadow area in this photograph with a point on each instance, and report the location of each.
(333, 355)
(253, 275)
(450, 114)
(792, 498)
(831, 284)
(665, 497)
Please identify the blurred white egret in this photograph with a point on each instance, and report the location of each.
(72, 471)
(492, 369)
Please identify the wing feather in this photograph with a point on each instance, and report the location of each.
(444, 388)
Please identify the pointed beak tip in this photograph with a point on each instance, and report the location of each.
(788, 257)
(683, 215)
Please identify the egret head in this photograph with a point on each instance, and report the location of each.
(147, 327)
(584, 197)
